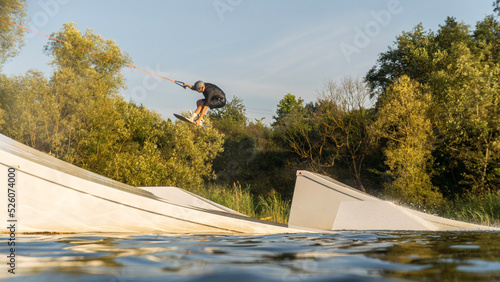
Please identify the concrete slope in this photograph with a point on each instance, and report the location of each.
(320, 202)
(50, 195)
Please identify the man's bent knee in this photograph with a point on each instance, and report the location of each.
(200, 103)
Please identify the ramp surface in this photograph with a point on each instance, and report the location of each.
(53, 196)
(320, 202)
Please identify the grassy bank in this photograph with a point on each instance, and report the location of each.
(270, 207)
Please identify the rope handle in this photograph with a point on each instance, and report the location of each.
(182, 84)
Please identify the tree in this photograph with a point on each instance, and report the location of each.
(452, 32)
(25, 100)
(332, 129)
(288, 105)
(411, 56)
(460, 67)
(231, 118)
(469, 116)
(403, 120)
(298, 130)
(486, 38)
(12, 37)
(103, 65)
(80, 107)
(345, 119)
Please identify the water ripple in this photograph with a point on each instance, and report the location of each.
(348, 256)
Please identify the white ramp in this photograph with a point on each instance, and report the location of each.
(186, 198)
(320, 202)
(50, 195)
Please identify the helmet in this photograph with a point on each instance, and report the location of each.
(199, 85)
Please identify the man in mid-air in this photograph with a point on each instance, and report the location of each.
(214, 98)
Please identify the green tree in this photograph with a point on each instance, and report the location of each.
(330, 132)
(464, 84)
(460, 67)
(299, 130)
(452, 32)
(230, 119)
(79, 107)
(293, 129)
(469, 101)
(411, 56)
(12, 37)
(23, 101)
(102, 66)
(486, 37)
(119, 139)
(403, 121)
(288, 105)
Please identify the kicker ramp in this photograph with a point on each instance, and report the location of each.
(320, 202)
(54, 196)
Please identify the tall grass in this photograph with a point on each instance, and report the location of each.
(481, 209)
(270, 207)
(273, 208)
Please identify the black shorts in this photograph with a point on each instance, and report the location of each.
(216, 102)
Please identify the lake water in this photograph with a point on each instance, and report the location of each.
(340, 256)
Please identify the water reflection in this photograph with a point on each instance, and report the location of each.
(367, 256)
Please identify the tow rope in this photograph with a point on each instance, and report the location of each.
(180, 83)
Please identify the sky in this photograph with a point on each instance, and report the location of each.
(256, 50)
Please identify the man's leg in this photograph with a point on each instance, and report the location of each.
(199, 105)
(202, 114)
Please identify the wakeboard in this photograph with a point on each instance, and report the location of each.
(183, 118)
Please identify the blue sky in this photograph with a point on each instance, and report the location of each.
(256, 50)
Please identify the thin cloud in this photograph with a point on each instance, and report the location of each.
(294, 51)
